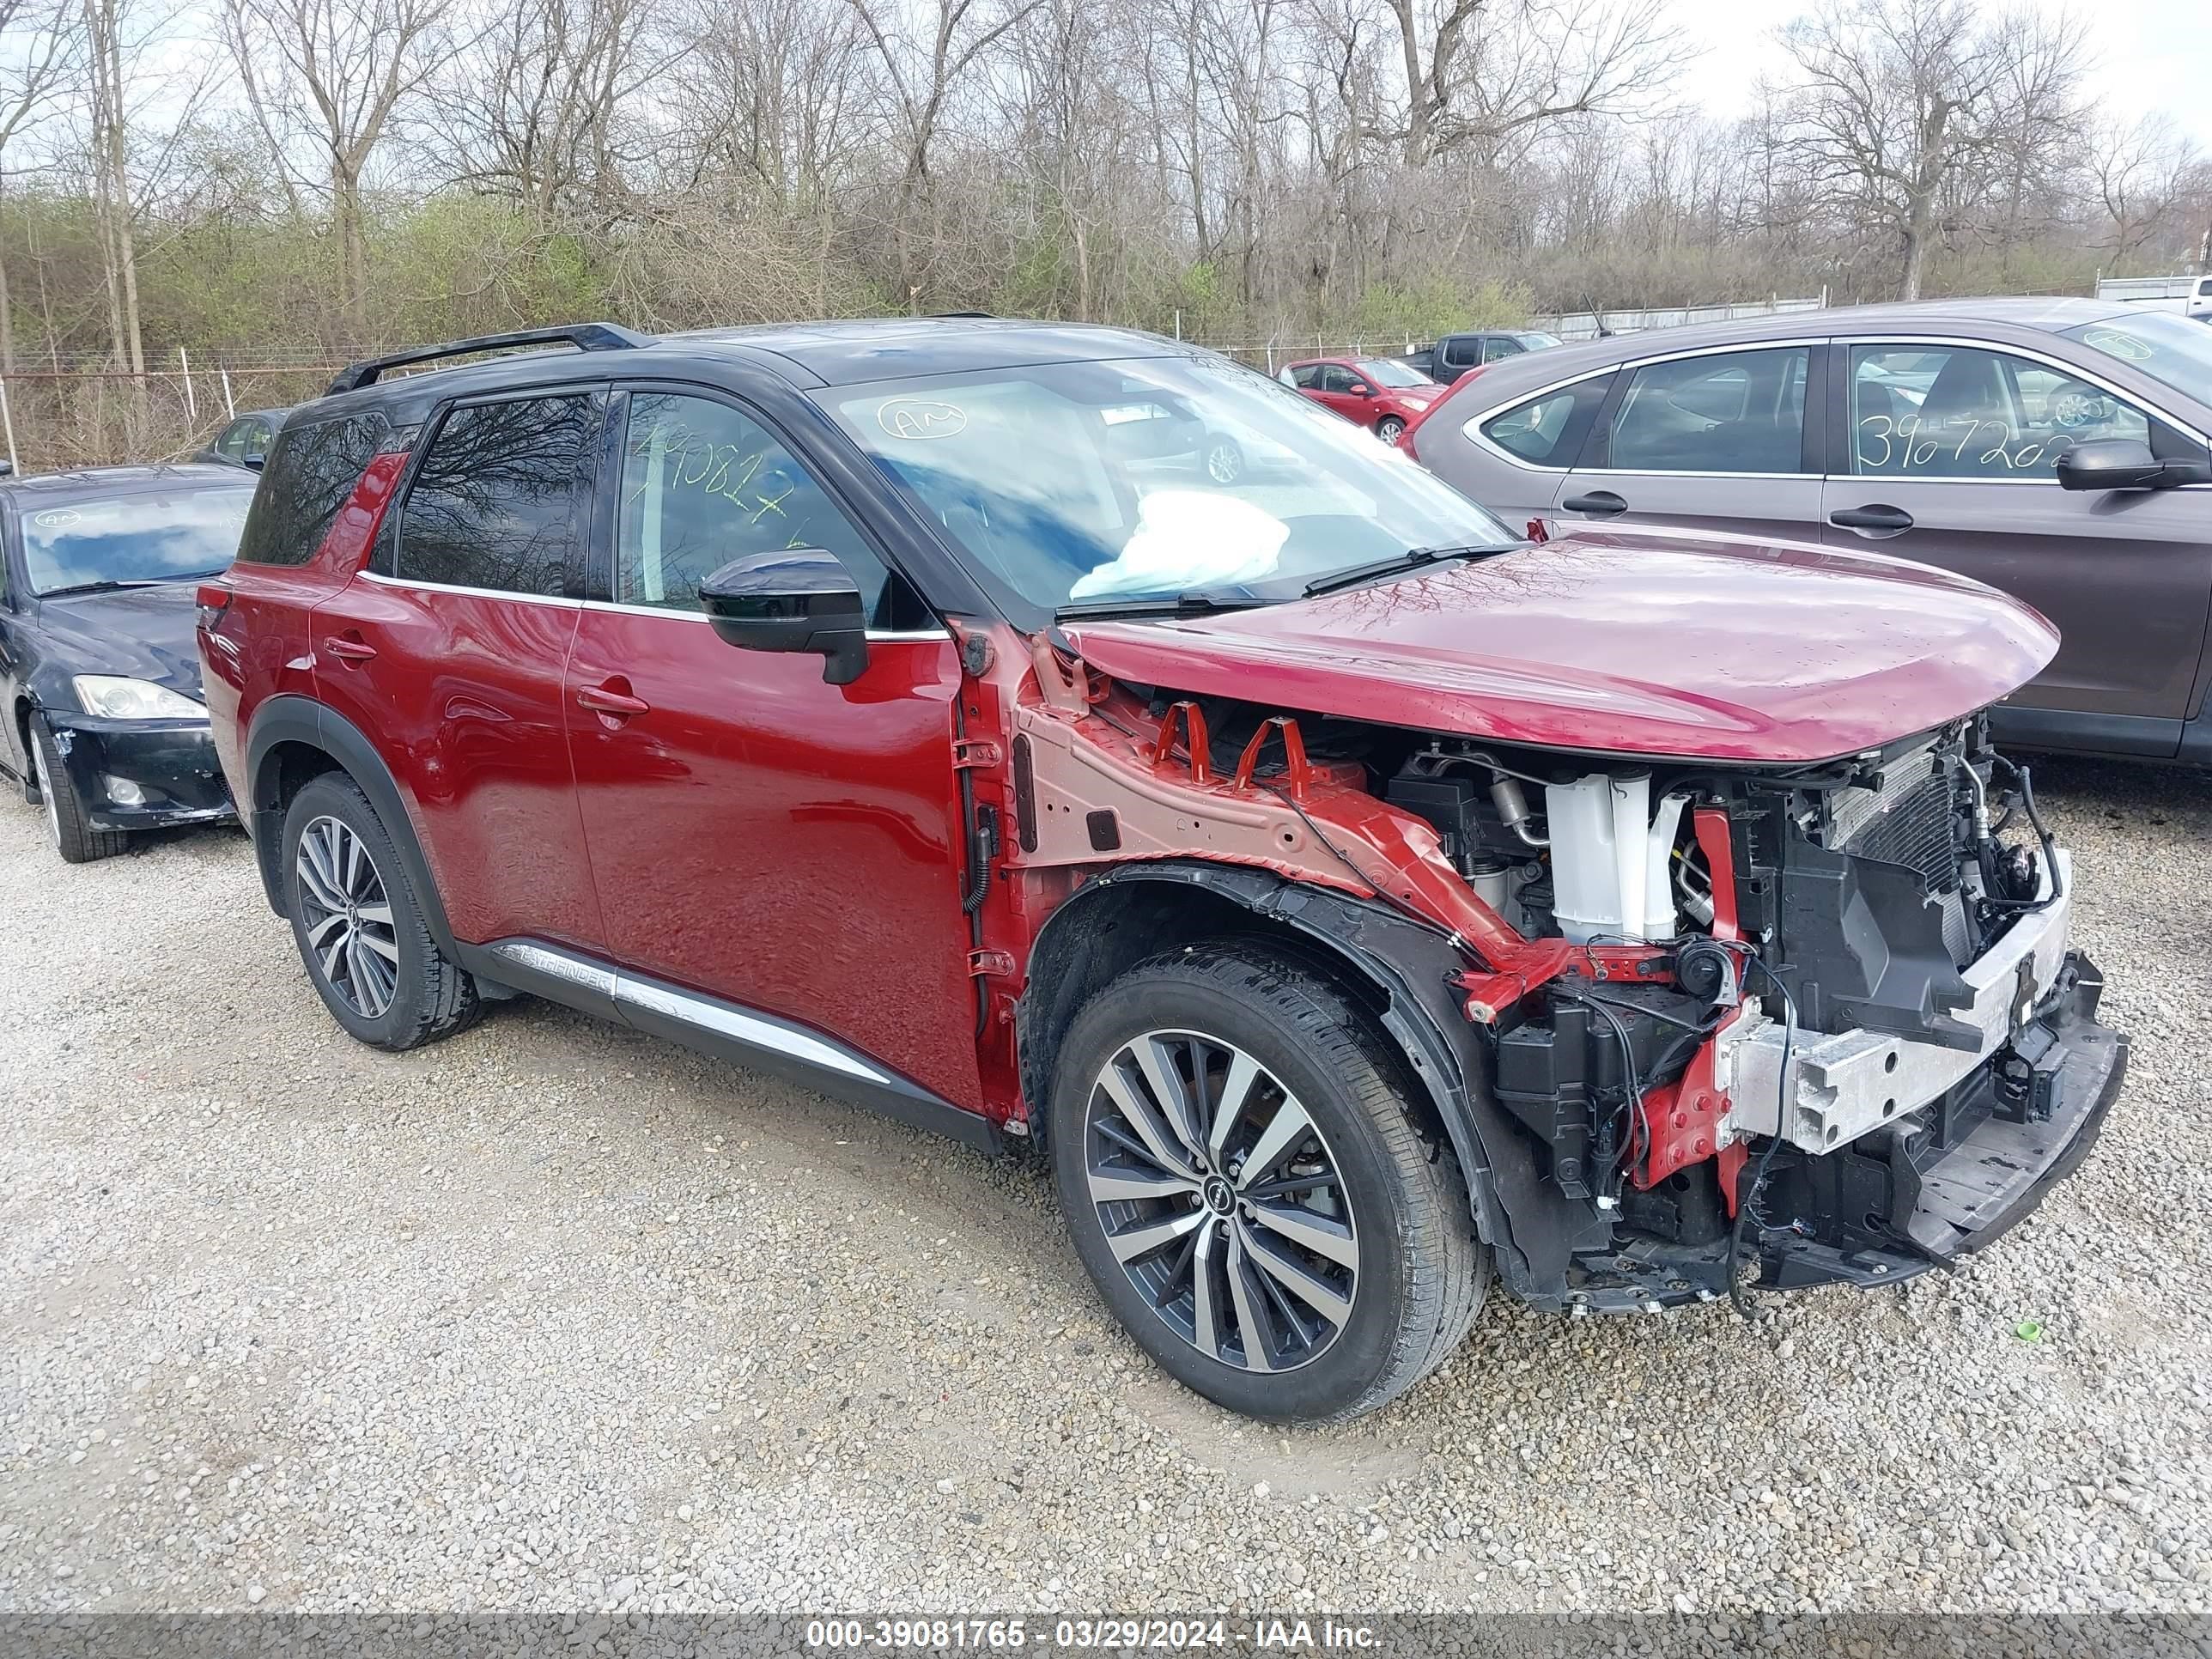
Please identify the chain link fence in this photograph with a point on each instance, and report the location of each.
(64, 410)
(60, 410)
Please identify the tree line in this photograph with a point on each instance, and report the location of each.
(324, 175)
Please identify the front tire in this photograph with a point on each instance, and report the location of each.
(1389, 428)
(359, 925)
(1249, 1190)
(67, 827)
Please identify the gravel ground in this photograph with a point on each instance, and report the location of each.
(555, 1317)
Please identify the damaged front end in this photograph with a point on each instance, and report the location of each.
(1679, 1017)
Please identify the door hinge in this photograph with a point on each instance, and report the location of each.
(997, 964)
(972, 752)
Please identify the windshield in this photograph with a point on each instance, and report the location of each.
(1383, 372)
(1149, 477)
(133, 539)
(2164, 345)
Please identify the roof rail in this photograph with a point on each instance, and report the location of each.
(584, 336)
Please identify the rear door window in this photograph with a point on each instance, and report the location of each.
(312, 468)
(1736, 411)
(498, 501)
(1463, 350)
(1964, 412)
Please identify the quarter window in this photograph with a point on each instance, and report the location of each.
(703, 484)
(1737, 412)
(1963, 412)
(1548, 430)
(311, 473)
(498, 501)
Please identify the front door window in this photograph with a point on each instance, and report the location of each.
(704, 484)
(1938, 411)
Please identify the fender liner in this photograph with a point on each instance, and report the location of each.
(1533, 1229)
(291, 719)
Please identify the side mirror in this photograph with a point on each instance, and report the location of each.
(799, 598)
(1363, 391)
(2125, 464)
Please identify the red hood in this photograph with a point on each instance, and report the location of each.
(1647, 642)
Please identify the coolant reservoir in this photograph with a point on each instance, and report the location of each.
(1609, 857)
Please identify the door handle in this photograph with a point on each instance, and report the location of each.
(350, 650)
(605, 700)
(1874, 516)
(1599, 504)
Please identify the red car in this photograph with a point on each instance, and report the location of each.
(1384, 397)
(1353, 903)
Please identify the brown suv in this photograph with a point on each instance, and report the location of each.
(2054, 448)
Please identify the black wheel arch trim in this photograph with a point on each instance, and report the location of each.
(1533, 1229)
(288, 717)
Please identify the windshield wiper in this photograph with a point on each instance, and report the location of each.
(1194, 603)
(1412, 559)
(104, 585)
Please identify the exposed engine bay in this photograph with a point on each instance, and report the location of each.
(1819, 1017)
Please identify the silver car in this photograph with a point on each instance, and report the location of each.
(2054, 448)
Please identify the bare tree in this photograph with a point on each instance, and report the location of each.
(106, 23)
(537, 110)
(2143, 170)
(926, 64)
(1900, 105)
(1480, 74)
(38, 54)
(340, 70)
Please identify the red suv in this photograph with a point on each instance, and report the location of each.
(1353, 902)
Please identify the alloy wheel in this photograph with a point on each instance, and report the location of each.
(1220, 1198)
(1224, 462)
(346, 915)
(46, 787)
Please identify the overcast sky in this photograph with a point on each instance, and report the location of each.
(2150, 54)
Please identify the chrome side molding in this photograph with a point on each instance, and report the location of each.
(763, 1032)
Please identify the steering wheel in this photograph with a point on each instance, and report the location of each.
(2075, 410)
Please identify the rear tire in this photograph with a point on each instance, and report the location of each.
(359, 926)
(67, 827)
(1286, 1170)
